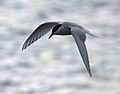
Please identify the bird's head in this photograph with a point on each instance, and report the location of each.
(54, 30)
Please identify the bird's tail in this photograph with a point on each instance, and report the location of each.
(89, 33)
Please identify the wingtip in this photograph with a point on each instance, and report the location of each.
(90, 73)
(23, 47)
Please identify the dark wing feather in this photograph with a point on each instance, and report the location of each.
(79, 39)
(38, 33)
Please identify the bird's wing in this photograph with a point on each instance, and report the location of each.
(79, 37)
(38, 33)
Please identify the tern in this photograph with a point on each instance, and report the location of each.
(63, 28)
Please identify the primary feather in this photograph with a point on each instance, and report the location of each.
(38, 33)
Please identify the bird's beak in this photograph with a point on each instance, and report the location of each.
(50, 36)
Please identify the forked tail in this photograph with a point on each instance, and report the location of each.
(89, 33)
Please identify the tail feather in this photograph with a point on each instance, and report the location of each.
(89, 33)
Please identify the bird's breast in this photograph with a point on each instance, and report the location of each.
(63, 31)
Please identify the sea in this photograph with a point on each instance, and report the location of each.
(54, 66)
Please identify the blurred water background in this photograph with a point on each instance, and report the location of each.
(54, 66)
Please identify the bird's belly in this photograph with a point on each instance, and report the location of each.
(65, 31)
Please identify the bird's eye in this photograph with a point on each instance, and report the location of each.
(56, 27)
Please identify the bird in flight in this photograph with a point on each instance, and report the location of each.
(63, 28)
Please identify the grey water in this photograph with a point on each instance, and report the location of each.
(54, 66)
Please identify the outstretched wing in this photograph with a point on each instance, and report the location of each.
(80, 37)
(38, 33)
